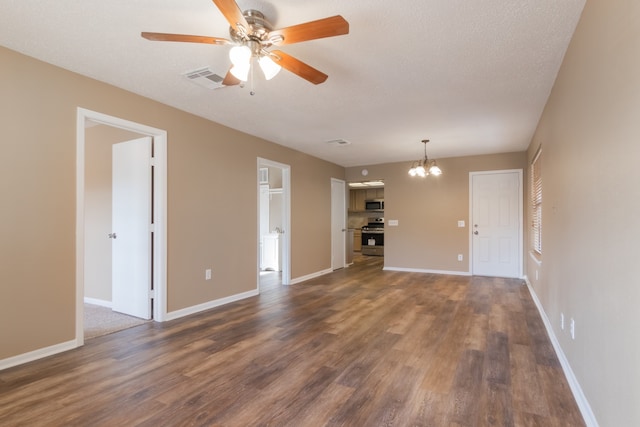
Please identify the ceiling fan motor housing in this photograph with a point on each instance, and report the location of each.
(258, 30)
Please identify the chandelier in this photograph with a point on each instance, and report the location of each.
(424, 167)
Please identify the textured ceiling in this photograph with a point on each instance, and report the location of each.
(472, 76)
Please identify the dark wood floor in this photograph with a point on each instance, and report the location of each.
(358, 347)
(270, 280)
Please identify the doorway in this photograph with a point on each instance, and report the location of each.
(274, 224)
(157, 221)
(496, 223)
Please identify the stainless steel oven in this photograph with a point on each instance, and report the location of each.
(373, 237)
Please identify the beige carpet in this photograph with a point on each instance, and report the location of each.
(100, 321)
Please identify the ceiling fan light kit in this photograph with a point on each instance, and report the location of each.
(239, 54)
(424, 167)
(241, 57)
(269, 68)
(252, 35)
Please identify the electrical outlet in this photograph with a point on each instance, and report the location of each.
(562, 321)
(572, 327)
(460, 257)
(207, 274)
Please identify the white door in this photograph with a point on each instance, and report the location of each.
(338, 224)
(264, 222)
(131, 219)
(496, 218)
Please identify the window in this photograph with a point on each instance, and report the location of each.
(536, 204)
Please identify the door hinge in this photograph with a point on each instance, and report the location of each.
(153, 161)
(152, 227)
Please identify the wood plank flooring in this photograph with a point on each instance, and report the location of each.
(358, 347)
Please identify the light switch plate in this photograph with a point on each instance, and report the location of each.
(393, 223)
(461, 223)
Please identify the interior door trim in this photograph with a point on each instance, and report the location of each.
(159, 206)
(286, 218)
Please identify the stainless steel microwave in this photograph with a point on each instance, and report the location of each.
(374, 205)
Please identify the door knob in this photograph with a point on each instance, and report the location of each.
(475, 232)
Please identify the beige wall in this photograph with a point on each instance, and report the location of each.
(428, 210)
(212, 201)
(591, 205)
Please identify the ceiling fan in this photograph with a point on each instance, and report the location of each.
(251, 34)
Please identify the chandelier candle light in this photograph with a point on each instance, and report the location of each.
(424, 167)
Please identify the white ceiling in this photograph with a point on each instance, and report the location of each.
(472, 76)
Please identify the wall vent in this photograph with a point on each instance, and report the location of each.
(205, 77)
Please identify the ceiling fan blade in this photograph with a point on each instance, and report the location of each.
(327, 27)
(230, 79)
(232, 13)
(298, 67)
(184, 38)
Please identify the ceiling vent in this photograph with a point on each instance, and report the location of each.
(205, 77)
(338, 142)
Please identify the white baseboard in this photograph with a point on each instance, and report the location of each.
(422, 270)
(311, 276)
(37, 354)
(209, 305)
(578, 394)
(69, 345)
(100, 302)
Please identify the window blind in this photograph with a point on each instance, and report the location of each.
(536, 204)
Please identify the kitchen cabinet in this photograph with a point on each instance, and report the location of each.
(356, 200)
(374, 193)
(357, 240)
(358, 197)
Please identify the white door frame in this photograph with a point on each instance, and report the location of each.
(520, 219)
(343, 225)
(159, 205)
(285, 238)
